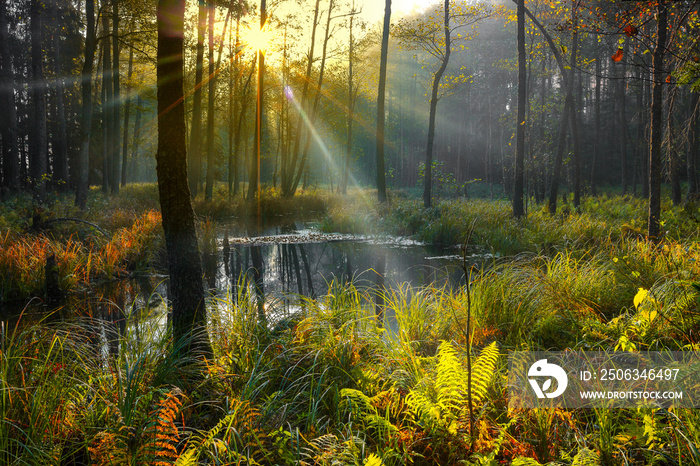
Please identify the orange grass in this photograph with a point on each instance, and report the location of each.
(23, 257)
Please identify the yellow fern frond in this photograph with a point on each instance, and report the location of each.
(450, 380)
(483, 370)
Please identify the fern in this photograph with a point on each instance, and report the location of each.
(439, 400)
(161, 432)
(235, 439)
(586, 457)
(363, 409)
(482, 371)
(451, 380)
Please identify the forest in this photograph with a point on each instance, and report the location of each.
(339, 232)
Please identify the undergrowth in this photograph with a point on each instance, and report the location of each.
(326, 384)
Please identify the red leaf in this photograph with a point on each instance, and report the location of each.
(630, 30)
(668, 78)
(617, 56)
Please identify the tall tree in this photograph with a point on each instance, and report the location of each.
(428, 180)
(116, 104)
(86, 110)
(381, 90)
(314, 112)
(653, 225)
(691, 162)
(186, 287)
(195, 149)
(8, 117)
(37, 143)
(518, 187)
(289, 175)
(107, 113)
(254, 174)
(127, 113)
(211, 158)
(352, 95)
(60, 140)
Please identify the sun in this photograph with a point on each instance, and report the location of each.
(257, 38)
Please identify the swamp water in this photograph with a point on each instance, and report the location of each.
(275, 268)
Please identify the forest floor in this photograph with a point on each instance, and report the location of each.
(330, 385)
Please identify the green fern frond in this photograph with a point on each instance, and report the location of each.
(586, 457)
(191, 454)
(356, 401)
(523, 461)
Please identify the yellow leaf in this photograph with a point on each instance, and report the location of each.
(373, 460)
(639, 297)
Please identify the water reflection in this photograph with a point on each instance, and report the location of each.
(275, 270)
(287, 262)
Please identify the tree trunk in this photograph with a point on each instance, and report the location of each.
(254, 176)
(381, 175)
(574, 110)
(107, 113)
(60, 141)
(428, 180)
(317, 98)
(195, 149)
(518, 207)
(8, 117)
(37, 143)
(289, 177)
(558, 159)
(209, 188)
(622, 133)
(137, 138)
(115, 176)
(127, 111)
(674, 165)
(693, 132)
(351, 110)
(596, 136)
(186, 287)
(656, 124)
(232, 87)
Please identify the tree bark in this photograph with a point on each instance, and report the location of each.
(653, 226)
(186, 287)
(381, 175)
